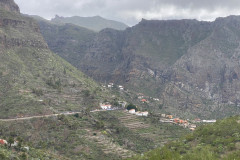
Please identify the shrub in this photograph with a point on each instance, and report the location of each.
(86, 93)
(131, 106)
(38, 92)
(99, 125)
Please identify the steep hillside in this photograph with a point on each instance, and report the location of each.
(95, 23)
(67, 40)
(33, 80)
(9, 5)
(213, 142)
(190, 65)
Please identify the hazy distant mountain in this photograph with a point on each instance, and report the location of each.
(95, 23)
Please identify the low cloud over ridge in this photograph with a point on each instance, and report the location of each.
(130, 12)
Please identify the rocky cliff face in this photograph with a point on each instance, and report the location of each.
(212, 66)
(191, 66)
(9, 5)
(13, 26)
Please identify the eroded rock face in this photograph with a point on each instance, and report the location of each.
(9, 5)
(16, 26)
(191, 65)
(16, 42)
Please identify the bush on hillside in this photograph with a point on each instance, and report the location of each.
(131, 106)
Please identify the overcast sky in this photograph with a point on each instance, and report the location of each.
(132, 11)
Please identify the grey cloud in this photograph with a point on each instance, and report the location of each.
(131, 11)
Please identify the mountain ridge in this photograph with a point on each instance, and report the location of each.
(165, 59)
(95, 23)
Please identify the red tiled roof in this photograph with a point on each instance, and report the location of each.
(2, 141)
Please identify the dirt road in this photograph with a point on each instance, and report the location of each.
(43, 116)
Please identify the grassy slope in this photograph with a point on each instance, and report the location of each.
(215, 141)
(13, 153)
(36, 81)
(81, 136)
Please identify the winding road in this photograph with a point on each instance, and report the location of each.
(43, 116)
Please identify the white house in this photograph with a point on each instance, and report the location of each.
(139, 114)
(132, 111)
(209, 121)
(15, 144)
(26, 148)
(142, 114)
(193, 126)
(145, 114)
(106, 106)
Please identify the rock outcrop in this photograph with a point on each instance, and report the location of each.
(9, 5)
(17, 25)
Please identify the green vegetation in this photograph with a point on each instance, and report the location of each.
(209, 142)
(131, 106)
(100, 135)
(33, 80)
(23, 152)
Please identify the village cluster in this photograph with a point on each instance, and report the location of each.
(141, 96)
(191, 124)
(108, 107)
(145, 99)
(138, 113)
(111, 85)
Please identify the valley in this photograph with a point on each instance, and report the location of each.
(171, 60)
(80, 88)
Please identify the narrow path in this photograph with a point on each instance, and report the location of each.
(50, 115)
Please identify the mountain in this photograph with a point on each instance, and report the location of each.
(95, 23)
(192, 66)
(33, 80)
(213, 142)
(48, 106)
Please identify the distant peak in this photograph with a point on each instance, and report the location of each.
(9, 5)
(57, 16)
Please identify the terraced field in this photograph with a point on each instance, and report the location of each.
(132, 122)
(107, 144)
(149, 129)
